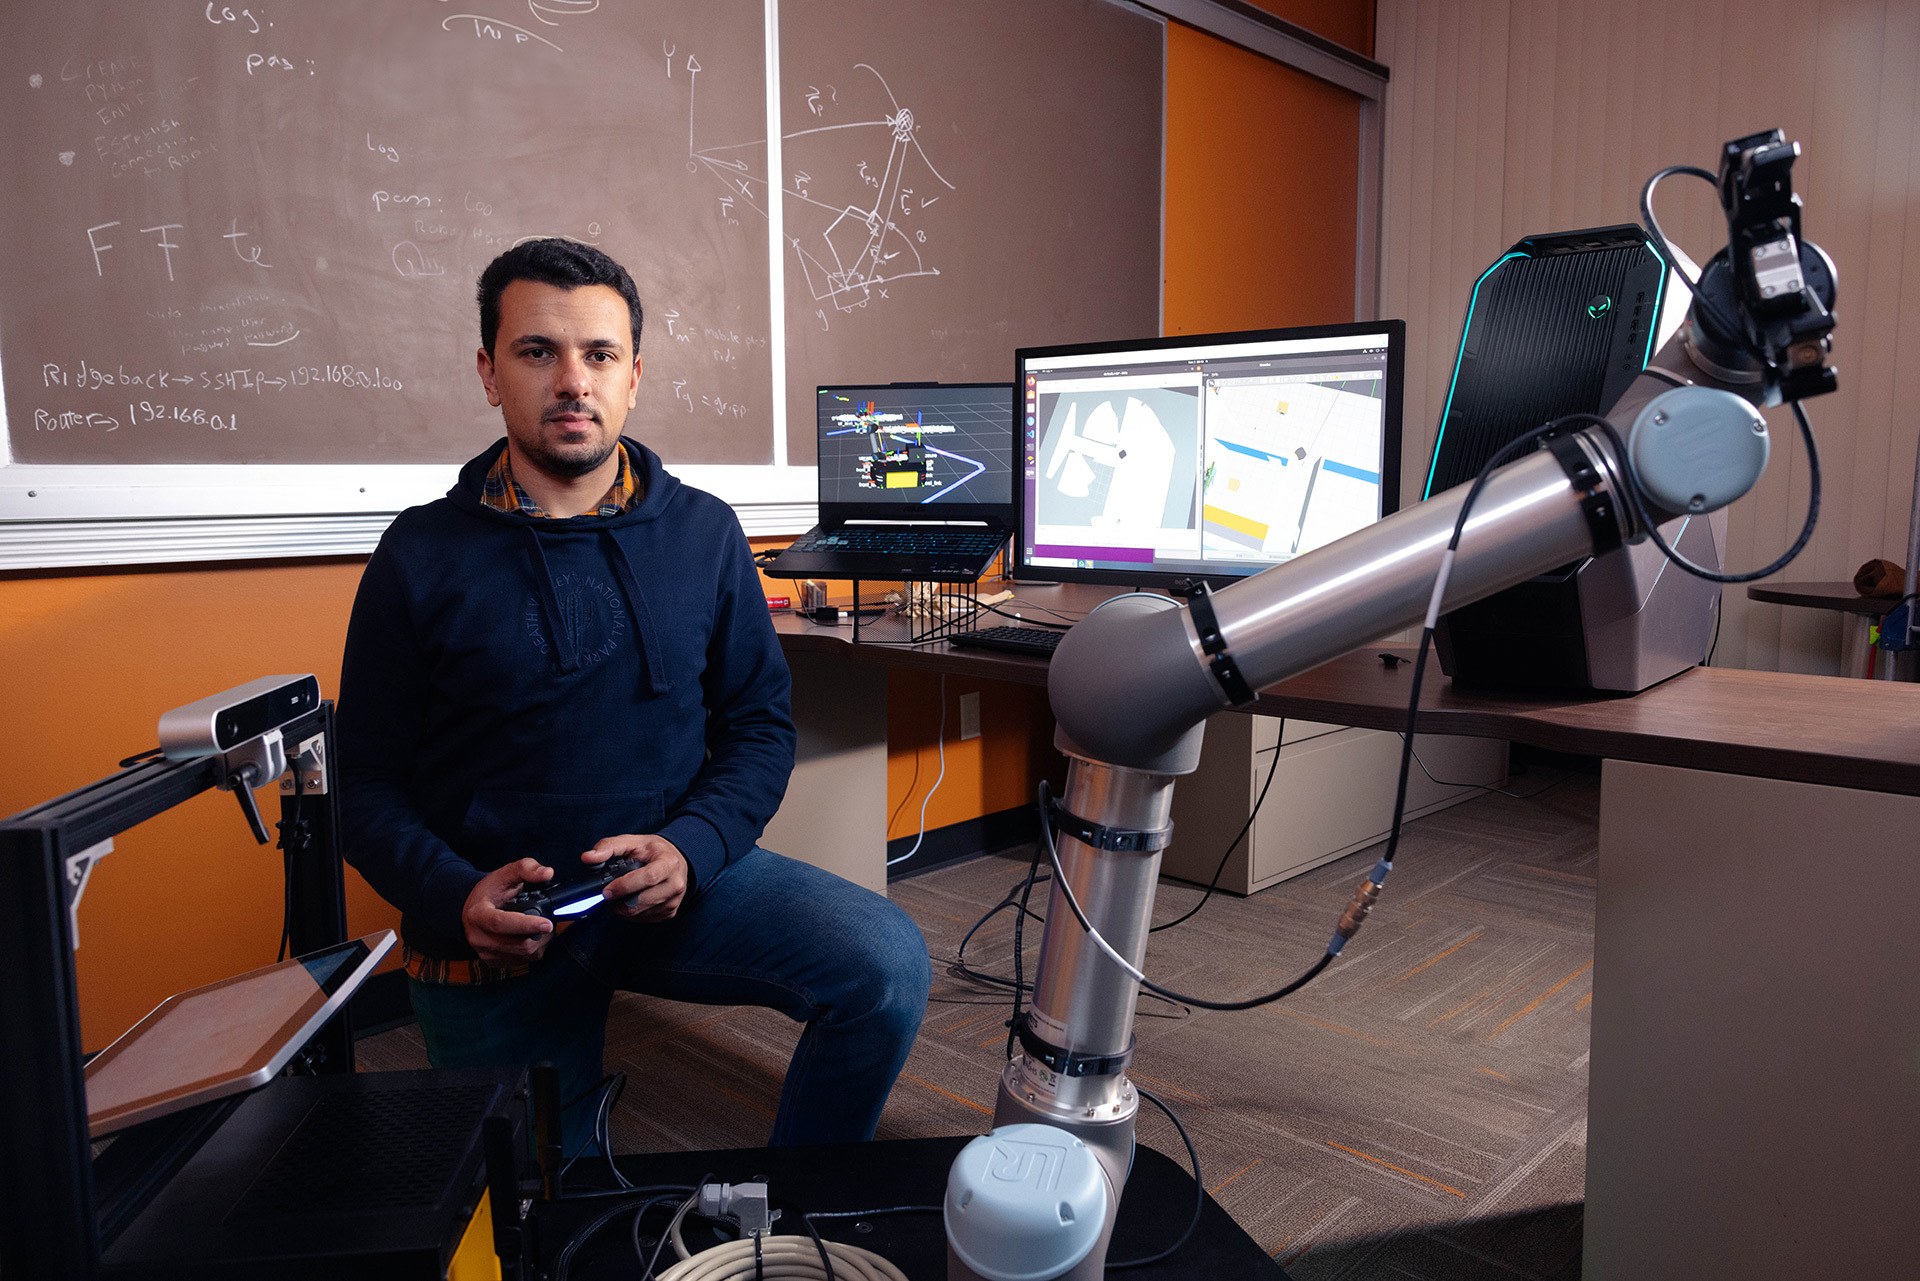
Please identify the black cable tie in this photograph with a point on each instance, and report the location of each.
(1221, 664)
(1122, 839)
(1066, 1062)
(1596, 504)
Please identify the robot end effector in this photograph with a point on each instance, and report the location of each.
(1763, 309)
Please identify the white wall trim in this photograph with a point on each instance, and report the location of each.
(73, 544)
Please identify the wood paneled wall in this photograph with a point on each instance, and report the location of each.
(1507, 118)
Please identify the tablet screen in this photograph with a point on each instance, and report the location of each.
(224, 1038)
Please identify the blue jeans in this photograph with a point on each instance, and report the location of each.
(766, 930)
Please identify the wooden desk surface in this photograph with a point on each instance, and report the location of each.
(1841, 597)
(1808, 729)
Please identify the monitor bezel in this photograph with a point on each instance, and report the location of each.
(920, 513)
(1390, 445)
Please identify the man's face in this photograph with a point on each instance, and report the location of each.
(563, 373)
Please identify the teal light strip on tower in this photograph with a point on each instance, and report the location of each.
(1454, 382)
(1659, 297)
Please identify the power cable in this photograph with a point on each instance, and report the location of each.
(1220, 868)
(940, 737)
(1199, 1192)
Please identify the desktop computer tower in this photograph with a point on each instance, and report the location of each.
(1563, 324)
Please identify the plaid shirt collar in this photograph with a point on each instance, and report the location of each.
(501, 492)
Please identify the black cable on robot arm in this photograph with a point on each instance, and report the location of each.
(1511, 449)
(1733, 331)
(1631, 484)
(1073, 905)
(877, 1213)
(1020, 932)
(1221, 867)
(1199, 1193)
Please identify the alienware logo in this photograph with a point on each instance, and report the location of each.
(1600, 306)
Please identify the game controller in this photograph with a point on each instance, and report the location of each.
(575, 897)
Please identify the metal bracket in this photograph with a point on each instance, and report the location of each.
(1100, 837)
(79, 868)
(309, 764)
(252, 763)
(1596, 504)
(1067, 1062)
(1220, 660)
(248, 766)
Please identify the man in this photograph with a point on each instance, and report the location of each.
(569, 658)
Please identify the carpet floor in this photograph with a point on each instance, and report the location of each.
(1418, 1112)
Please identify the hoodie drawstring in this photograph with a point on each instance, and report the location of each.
(650, 650)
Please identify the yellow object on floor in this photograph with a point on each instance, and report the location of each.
(474, 1259)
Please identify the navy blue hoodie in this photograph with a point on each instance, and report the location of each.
(514, 685)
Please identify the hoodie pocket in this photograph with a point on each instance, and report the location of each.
(554, 827)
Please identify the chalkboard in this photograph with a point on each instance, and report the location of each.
(251, 233)
(1010, 182)
(248, 234)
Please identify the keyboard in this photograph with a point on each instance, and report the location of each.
(1036, 642)
(909, 541)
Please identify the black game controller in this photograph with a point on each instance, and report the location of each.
(576, 897)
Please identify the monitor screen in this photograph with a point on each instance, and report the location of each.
(911, 445)
(1212, 456)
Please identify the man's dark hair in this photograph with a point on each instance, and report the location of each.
(564, 264)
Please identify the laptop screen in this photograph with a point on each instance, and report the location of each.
(903, 447)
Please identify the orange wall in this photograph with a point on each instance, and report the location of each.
(1259, 185)
(1262, 168)
(91, 661)
(1262, 173)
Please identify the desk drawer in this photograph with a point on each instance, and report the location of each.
(1273, 731)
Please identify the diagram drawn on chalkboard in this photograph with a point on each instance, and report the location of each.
(851, 224)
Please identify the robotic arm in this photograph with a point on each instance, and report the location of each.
(1037, 1197)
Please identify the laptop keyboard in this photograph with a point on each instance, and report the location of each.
(1038, 642)
(907, 541)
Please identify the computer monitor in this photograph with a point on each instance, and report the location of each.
(1210, 456)
(934, 451)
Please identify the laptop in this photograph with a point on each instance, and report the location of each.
(916, 482)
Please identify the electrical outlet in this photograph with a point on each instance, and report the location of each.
(970, 715)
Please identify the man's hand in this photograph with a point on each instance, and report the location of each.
(656, 887)
(500, 936)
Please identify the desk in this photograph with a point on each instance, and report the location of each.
(1858, 616)
(1755, 1075)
